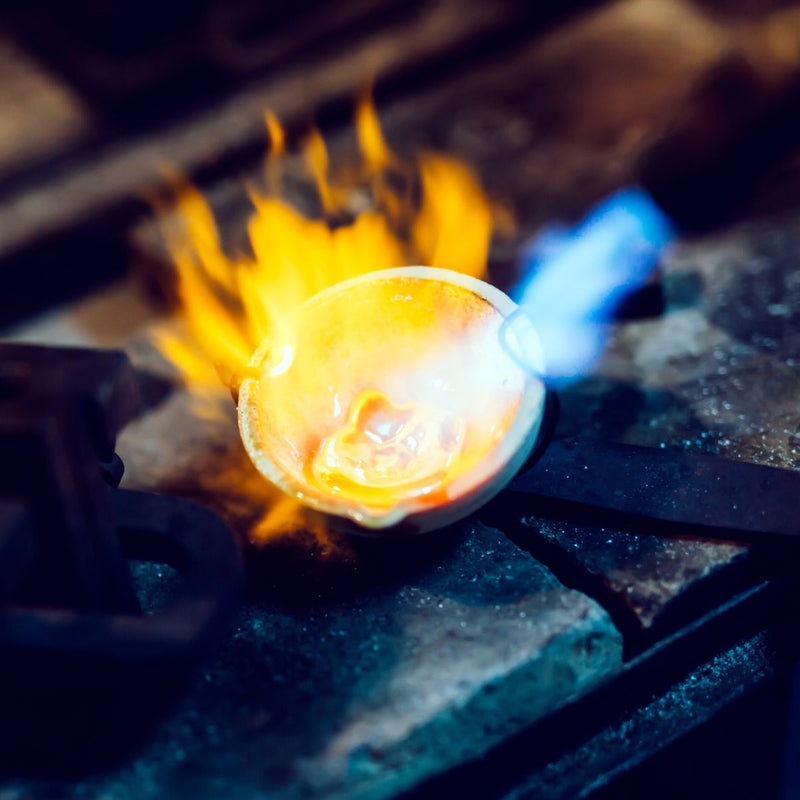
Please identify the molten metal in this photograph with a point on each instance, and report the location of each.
(390, 451)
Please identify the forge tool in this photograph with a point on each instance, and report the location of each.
(86, 672)
(660, 491)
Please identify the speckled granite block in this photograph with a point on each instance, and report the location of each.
(360, 698)
(651, 585)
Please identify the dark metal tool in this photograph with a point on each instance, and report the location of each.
(658, 491)
(60, 410)
(85, 672)
(80, 688)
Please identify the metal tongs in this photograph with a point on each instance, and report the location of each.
(660, 491)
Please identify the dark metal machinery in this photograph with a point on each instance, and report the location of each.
(84, 670)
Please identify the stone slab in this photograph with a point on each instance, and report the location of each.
(652, 585)
(454, 647)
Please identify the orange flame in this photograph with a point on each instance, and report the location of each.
(231, 305)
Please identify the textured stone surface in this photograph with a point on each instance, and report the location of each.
(701, 695)
(728, 356)
(457, 644)
(652, 584)
(401, 680)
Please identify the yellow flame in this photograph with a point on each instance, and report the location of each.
(453, 227)
(377, 155)
(277, 148)
(316, 154)
(232, 304)
(277, 138)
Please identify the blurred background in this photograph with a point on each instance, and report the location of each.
(555, 104)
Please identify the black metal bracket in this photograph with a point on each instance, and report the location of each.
(662, 491)
(81, 688)
(86, 673)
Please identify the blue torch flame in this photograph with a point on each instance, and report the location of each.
(574, 279)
